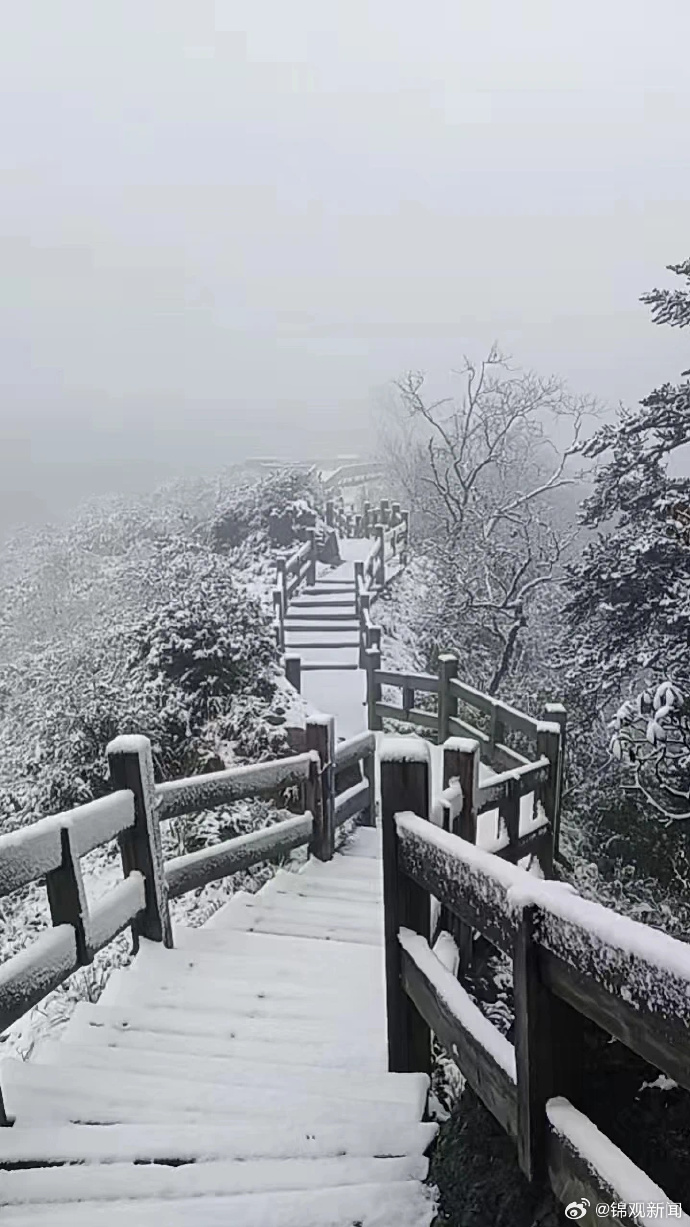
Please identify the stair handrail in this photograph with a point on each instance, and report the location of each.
(573, 961)
(52, 848)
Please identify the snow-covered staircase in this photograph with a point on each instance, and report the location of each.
(239, 1079)
(322, 628)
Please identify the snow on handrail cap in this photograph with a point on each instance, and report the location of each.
(404, 750)
(320, 717)
(128, 743)
(627, 1181)
(463, 745)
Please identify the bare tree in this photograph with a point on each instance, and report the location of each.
(483, 473)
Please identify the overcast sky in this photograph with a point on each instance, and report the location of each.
(225, 225)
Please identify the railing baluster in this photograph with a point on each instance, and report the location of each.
(447, 704)
(67, 897)
(320, 736)
(293, 672)
(373, 663)
(461, 762)
(369, 814)
(131, 766)
(549, 745)
(381, 569)
(549, 1038)
(405, 784)
(556, 713)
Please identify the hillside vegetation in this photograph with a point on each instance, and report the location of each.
(152, 616)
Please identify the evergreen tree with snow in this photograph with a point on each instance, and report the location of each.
(630, 607)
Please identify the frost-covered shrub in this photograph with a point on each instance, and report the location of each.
(273, 511)
(103, 632)
(210, 643)
(130, 620)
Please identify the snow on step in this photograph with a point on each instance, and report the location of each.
(326, 603)
(323, 915)
(366, 844)
(325, 888)
(328, 1003)
(295, 960)
(106, 1182)
(199, 1143)
(351, 906)
(285, 947)
(265, 965)
(240, 982)
(295, 1040)
(35, 1092)
(264, 918)
(342, 866)
(241, 1077)
(350, 1084)
(404, 1203)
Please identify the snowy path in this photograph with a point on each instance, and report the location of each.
(241, 1076)
(320, 620)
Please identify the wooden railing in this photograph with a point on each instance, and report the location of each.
(572, 960)
(293, 572)
(355, 473)
(488, 723)
(390, 529)
(332, 790)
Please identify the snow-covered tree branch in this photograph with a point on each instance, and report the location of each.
(484, 473)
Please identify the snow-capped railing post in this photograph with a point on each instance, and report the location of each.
(311, 572)
(359, 583)
(131, 767)
(406, 538)
(67, 898)
(447, 703)
(556, 713)
(381, 570)
(279, 619)
(330, 513)
(320, 736)
(548, 1047)
(546, 793)
(385, 512)
(405, 783)
(395, 514)
(364, 604)
(461, 762)
(366, 519)
(282, 582)
(372, 658)
(497, 730)
(293, 672)
(369, 814)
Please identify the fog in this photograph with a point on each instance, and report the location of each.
(226, 227)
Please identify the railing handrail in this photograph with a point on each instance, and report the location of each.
(387, 525)
(546, 737)
(52, 849)
(573, 960)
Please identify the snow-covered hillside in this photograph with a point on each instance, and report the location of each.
(151, 616)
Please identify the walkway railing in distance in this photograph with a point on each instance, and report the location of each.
(292, 573)
(390, 528)
(572, 960)
(353, 474)
(493, 726)
(52, 849)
